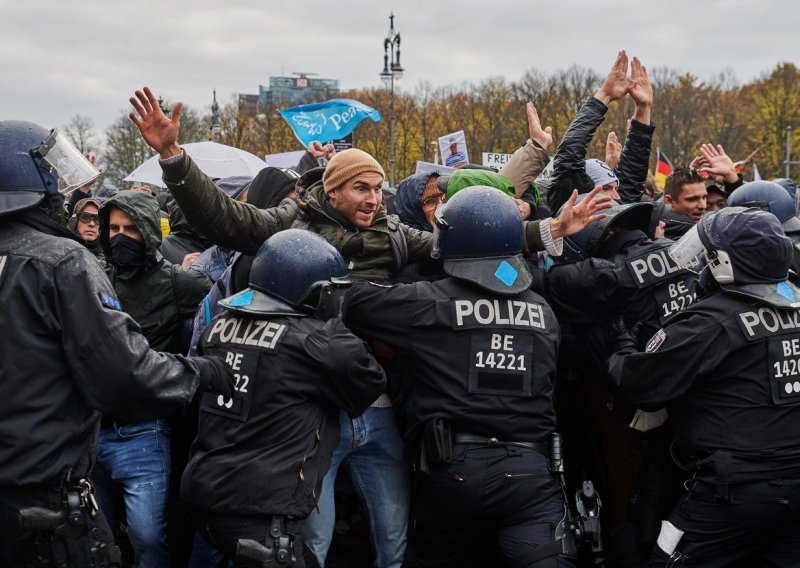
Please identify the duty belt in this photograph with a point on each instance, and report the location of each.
(473, 440)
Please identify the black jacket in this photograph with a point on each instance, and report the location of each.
(636, 279)
(727, 369)
(267, 450)
(569, 170)
(484, 362)
(68, 352)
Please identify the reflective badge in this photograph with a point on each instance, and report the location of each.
(672, 297)
(784, 369)
(242, 299)
(656, 341)
(110, 302)
(506, 273)
(245, 369)
(500, 364)
(786, 291)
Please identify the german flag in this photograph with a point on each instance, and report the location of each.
(663, 168)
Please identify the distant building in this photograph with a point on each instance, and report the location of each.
(297, 90)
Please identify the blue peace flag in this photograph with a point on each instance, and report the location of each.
(330, 120)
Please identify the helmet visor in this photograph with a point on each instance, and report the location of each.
(439, 228)
(71, 167)
(689, 251)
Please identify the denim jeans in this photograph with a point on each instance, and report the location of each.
(372, 446)
(133, 460)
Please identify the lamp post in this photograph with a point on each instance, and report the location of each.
(392, 71)
(214, 127)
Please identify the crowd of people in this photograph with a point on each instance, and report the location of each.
(553, 364)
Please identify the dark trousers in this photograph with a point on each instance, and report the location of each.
(505, 494)
(758, 526)
(223, 532)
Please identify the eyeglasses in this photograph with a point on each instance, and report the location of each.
(88, 218)
(432, 202)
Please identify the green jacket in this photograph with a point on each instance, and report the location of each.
(242, 227)
(160, 296)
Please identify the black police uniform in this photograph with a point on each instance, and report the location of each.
(637, 279)
(67, 352)
(263, 454)
(728, 369)
(482, 365)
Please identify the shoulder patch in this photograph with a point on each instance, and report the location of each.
(110, 302)
(656, 341)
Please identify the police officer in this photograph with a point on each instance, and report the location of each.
(735, 404)
(481, 351)
(616, 271)
(67, 352)
(778, 200)
(259, 459)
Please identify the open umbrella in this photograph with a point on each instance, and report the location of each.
(215, 160)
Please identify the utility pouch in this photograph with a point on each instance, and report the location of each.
(437, 442)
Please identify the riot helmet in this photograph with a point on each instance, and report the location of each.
(36, 163)
(788, 184)
(769, 196)
(480, 236)
(587, 242)
(746, 252)
(294, 270)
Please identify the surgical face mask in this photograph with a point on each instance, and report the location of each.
(126, 251)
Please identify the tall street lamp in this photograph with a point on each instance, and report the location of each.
(214, 126)
(392, 71)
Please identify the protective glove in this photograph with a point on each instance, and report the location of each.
(624, 340)
(215, 375)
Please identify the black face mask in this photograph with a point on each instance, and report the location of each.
(126, 251)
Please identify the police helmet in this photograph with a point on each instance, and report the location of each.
(36, 163)
(789, 185)
(769, 196)
(289, 271)
(480, 236)
(586, 242)
(748, 253)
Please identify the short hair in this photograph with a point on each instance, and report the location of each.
(678, 178)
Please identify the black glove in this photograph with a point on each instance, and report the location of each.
(624, 340)
(215, 375)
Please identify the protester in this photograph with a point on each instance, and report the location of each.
(160, 296)
(625, 183)
(85, 221)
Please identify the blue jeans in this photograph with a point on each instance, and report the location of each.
(372, 446)
(133, 460)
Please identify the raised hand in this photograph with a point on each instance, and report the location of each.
(615, 85)
(613, 150)
(574, 217)
(641, 91)
(158, 130)
(544, 137)
(719, 163)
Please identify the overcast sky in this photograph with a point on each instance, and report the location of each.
(59, 58)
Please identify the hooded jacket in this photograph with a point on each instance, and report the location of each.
(158, 295)
(72, 224)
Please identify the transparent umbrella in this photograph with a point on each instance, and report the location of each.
(215, 160)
